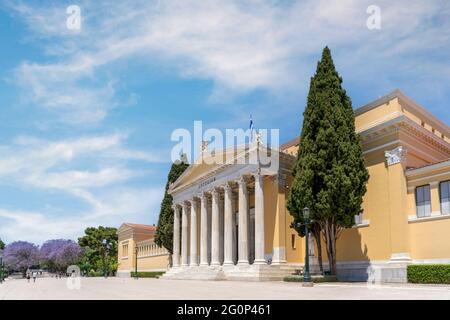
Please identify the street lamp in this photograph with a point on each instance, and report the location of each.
(106, 245)
(1, 266)
(306, 276)
(136, 250)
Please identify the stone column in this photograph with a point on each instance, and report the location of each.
(259, 219)
(243, 222)
(279, 241)
(228, 228)
(193, 252)
(221, 228)
(176, 236)
(215, 236)
(204, 230)
(184, 235)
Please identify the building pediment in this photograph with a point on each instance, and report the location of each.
(230, 164)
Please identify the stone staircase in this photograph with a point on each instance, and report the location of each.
(235, 272)
(259, 272)
(194, 273)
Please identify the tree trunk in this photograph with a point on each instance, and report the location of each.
(319, 253)
(316, 232)
(330, 239)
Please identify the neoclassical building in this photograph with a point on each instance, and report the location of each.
(231, 220)
(137, 248)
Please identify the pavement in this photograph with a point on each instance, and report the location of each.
(160, 289)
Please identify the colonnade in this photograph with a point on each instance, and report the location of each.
(213, 251)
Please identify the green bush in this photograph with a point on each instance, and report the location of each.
(315, 279)
(429, 273)
(94, 273)
(147, 274)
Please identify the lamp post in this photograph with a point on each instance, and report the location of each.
(306, 276)
(136, 250)
(1, 266)
(106, 246)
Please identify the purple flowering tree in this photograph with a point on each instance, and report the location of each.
(58, 254)
(21, 255)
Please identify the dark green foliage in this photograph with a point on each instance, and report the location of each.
(315, 279)
(147, 274)
(329, 175)
(100, 246)
(164, 232)
(431, 273)
(2, 245)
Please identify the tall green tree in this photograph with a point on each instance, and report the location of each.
(2, 245)
(100, 246)
(164, 232)
(329, 175)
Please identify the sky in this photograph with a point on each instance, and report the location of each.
(87, 114)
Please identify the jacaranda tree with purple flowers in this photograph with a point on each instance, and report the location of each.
(21, 255)
(58, 254)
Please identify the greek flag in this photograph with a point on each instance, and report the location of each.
(251, 128)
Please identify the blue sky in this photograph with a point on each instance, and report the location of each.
(87, 115)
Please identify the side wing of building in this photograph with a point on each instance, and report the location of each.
(136, 247)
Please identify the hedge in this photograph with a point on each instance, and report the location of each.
(429, 273)
(93, 273)
(147, 274)
(315, 279)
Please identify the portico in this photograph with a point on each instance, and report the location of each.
(221, 215)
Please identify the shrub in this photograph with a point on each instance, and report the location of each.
(154, 274)
(94, 273)
(429, 273)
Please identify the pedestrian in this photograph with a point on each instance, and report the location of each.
(28, 276)
(34, 276)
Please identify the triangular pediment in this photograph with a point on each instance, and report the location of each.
(208, 163)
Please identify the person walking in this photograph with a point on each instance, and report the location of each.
(28, 276)
(34, 276)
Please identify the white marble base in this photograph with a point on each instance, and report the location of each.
(234, 272)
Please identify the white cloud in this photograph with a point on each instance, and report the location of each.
(241, 46)
(52, 165)
(114, 208)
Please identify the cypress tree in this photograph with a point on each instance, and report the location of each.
(329, 174)
(164, 232)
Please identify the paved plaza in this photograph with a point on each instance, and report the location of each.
(152, 289)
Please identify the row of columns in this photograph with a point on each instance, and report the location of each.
(243, 223)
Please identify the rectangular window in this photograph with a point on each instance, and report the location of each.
(444, 188)
(423, 203)
(293, 242)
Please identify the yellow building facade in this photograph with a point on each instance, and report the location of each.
(231, 220)
(136, 248)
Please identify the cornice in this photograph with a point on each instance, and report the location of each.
(403, 123)
(407, 103)
(411, 173)
(285, 160)
(382, 100)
